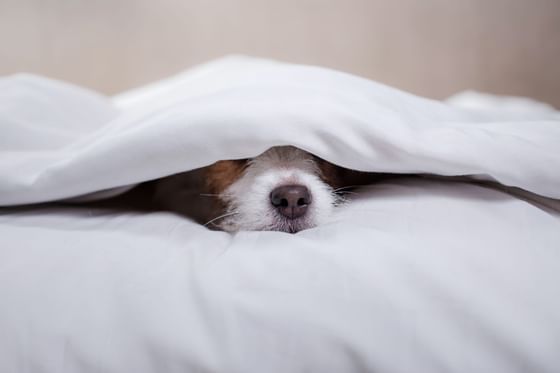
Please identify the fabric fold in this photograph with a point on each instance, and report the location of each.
(238, 107)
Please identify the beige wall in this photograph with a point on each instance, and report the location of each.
(429, 47)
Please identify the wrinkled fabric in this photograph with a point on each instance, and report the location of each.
(60, 141)
(411, 275)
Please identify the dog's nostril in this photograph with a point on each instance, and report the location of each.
(291, 200)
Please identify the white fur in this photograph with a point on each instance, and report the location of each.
(249, 197)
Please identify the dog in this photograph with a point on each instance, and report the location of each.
(283, 189)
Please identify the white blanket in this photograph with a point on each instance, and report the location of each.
(415, 275)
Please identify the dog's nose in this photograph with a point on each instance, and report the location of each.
(291, 200)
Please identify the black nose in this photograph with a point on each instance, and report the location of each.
(291, 200)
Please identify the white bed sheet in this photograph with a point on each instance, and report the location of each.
(417, 275)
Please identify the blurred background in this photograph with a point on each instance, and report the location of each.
(432, 48)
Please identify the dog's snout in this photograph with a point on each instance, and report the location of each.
(291, 200)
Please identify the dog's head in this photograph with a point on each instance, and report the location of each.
(283, 189)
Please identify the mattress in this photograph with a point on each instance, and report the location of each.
(456, 270)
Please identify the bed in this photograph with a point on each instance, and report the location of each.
(456, 270)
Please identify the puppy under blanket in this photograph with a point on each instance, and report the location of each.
(412, 275)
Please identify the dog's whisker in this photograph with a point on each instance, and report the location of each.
(209, 195)
(345, 187)
(220, 217)
(345, 192)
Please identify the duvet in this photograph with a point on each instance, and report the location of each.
(419, 274)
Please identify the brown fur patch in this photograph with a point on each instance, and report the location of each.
(330, 173)
(222, 174)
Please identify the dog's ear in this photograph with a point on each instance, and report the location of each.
(186, 194)
(331, 174)
(340, 177)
